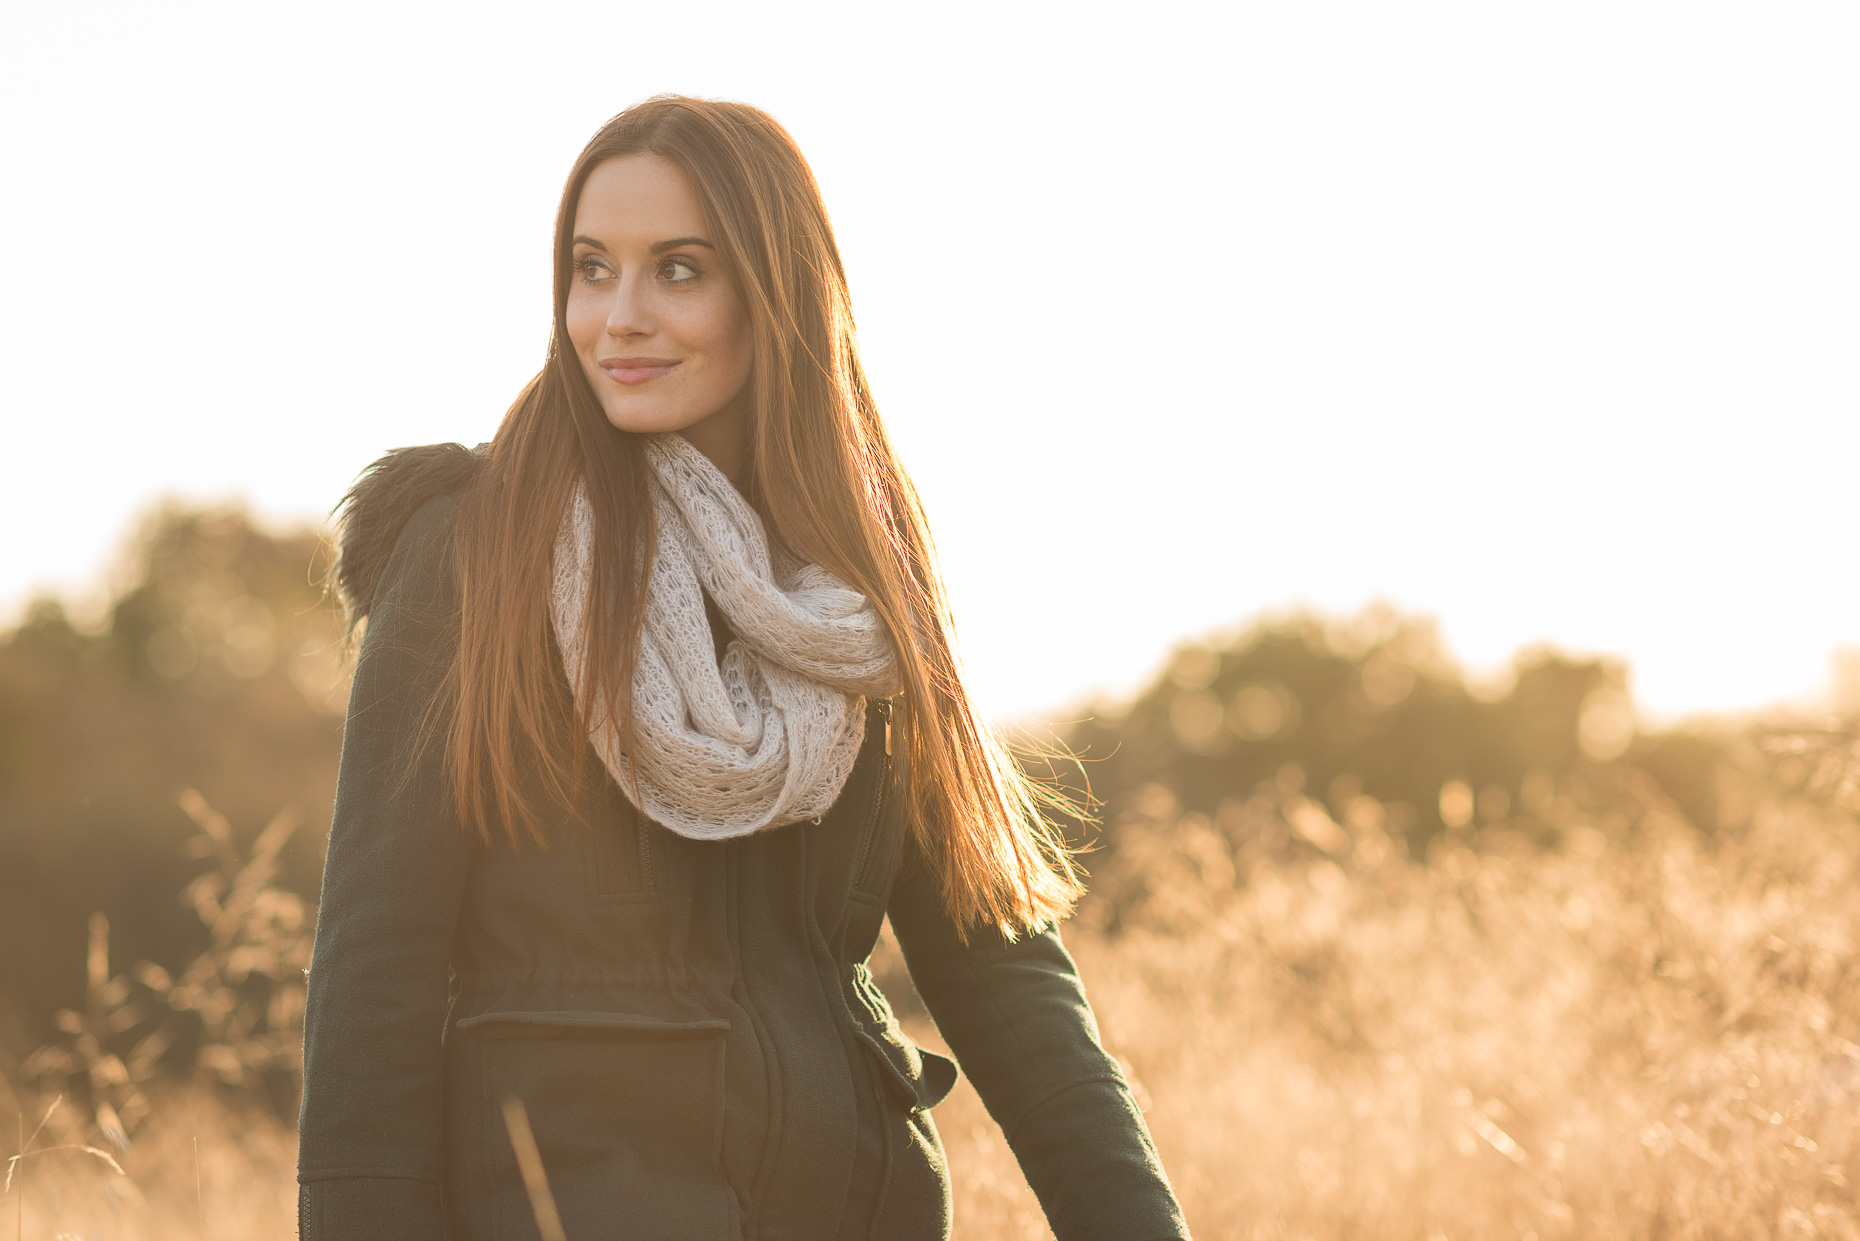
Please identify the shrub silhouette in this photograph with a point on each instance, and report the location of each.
(235, 1011)
(217, 667)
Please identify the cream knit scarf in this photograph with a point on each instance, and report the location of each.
(768, 735)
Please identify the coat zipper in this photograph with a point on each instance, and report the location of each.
(878, 805)
(645, 853)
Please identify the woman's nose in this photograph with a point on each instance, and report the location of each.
(629, 315)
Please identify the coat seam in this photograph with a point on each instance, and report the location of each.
(1020, 1122)
(367, 1174)
(828, 978)
(774, 1119)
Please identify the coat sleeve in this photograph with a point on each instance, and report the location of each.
(1016, 1016)
(370, 1158)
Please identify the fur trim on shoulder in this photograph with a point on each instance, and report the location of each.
(378, 507)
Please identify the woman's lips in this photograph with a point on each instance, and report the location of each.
(636, 370)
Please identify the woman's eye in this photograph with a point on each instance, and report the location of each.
(591, 269)
(677, 271)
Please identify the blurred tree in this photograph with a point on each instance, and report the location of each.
(219, 668)
(1371, 706)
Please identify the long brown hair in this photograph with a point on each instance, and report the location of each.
(823, 475)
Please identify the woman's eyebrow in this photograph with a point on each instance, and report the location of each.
(657, 247)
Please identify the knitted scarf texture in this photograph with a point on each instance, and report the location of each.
(767, 735)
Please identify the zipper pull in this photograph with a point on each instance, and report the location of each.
(887, 728)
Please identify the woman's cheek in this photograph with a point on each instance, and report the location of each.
(734, 345)
(584, 325)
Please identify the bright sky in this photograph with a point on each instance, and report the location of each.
(1541, 319)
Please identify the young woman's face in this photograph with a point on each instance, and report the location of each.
(655, 319)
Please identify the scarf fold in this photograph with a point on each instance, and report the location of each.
(767, 735)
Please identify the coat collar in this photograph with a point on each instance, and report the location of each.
(378, 507)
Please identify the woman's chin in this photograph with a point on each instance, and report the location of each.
(643, 418)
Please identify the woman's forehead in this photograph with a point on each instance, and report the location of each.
(637, 199)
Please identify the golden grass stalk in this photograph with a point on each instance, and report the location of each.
(529, 1162)
(25, 1146)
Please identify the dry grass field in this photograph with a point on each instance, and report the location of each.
(1613, 1029)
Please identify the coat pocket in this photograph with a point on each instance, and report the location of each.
(920, 1079)
(627, 1111)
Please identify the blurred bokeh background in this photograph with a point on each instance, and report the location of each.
(1406, 453)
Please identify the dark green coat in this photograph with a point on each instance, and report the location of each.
(690, 1025)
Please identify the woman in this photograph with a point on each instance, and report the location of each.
(655, 721)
